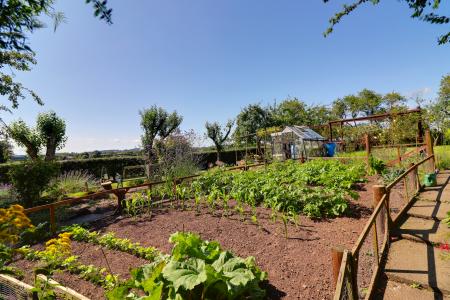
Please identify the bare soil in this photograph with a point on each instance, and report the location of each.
(299, 267)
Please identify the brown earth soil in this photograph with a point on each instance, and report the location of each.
(299, 267)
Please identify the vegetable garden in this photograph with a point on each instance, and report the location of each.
(270, 222)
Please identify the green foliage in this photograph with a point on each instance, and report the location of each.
(423, 10)
(317, 188)
(376, 165)
(196, 269)
(52, 132)
(388, 175)
(31, 178)
(25, 137)
(6, 150)
(68, 183)
(218, 135)
(18, 20)
(110, 241)
(33, 235)
(157, 122)
(446, 220)
(44, 289)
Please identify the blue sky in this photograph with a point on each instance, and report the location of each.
(209, 58)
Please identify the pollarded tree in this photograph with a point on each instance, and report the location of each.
(157, 123)
(424, 10)
(25, 137)
(218, 135)
(49, 132)
(52, 132)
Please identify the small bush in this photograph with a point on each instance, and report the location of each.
(31, 178)
(376, 165)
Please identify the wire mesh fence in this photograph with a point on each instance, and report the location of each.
(13, 289)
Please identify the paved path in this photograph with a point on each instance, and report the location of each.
(415, 269)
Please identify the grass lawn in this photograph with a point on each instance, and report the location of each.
(442, 155)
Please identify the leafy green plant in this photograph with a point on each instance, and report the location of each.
(110, 241)
(446, 220)
(44, 289)
(31, 178)
(196, 269)
(376, 164)
(318, 188)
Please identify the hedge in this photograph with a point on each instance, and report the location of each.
(113, 165)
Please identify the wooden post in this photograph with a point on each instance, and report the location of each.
(52, 219)
(367, 142)
(429, 144)
(378, 193)
(330, 128)
(336, 259)
(399, 157)
(120, 194)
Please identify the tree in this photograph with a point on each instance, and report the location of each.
(52, 132)
(251, 118)
(49, 132)
(444, 95)
(17, 20)
(5, 150)
(291, 111)
(421, 9)
(318, 115)
(338, 109)
(370, 102)
(218, 135)
(157, 123)
(25, 137)
(438, 111)
(394, 100)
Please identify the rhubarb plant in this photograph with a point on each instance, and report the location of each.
(197, 269)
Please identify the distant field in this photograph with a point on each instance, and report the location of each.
(442, 155)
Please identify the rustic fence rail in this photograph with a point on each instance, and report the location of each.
(384, 217)
(120, 194)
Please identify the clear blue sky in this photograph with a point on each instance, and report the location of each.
(208, 59)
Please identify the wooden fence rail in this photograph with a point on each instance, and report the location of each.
(120, 193)
(382, 215)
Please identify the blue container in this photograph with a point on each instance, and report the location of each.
(331, 149)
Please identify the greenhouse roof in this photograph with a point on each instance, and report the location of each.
(303, 132)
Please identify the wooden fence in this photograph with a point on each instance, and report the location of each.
(120, 194)
(380, 223)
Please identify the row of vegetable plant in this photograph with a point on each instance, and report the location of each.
(318, 188)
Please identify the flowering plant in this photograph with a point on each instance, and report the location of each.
(13, 222)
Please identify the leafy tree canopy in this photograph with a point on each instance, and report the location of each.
(425, 10)
(19, 18)
(49, 132)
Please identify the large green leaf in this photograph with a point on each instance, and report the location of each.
(186, 274)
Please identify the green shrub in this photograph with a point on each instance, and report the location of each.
(31, 178)
(376, 164)
(68, 183)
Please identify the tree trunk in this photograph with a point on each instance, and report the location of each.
(51, 150)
